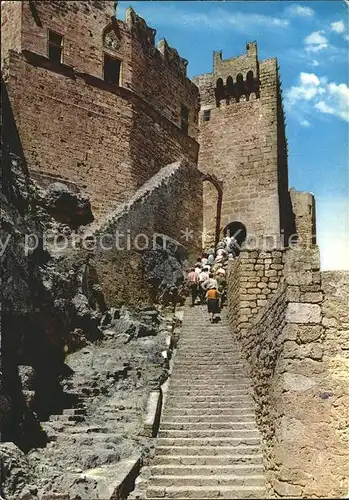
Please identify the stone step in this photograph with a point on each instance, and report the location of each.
(199, 416)
(218, 426)
(206, 370)
(209, 387)
(209, 364)
(203, 433)
(197, 470)
(208, 344)
(203, 340)
(191, 403)
(91, 429)
(193, 349)
(220, 398)
(204, 492)
(207, 392)
(214, 359)
(213, 367)
(74, 411)
(214, 479)
(207, 450)
(208, 441)
(67, 418)
(209, 460)
(218, 378)
(189, 348)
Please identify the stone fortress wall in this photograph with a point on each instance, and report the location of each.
(107, 139)
(242, 141)
(295, 341)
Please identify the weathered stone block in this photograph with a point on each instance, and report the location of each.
(297, 382)
(286, 490)
(297, 312)
(308, 333)
(278, 267)
(299, 278)
(262, 285)
(313, 297)
(293, 294)
(262, 303)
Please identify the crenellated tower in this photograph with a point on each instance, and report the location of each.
(242, 142)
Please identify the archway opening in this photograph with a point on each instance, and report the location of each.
(237, 231)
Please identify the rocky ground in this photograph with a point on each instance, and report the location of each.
(100, 422)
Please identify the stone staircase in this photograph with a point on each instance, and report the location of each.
(208, 445)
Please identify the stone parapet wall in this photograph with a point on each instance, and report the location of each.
(252, 279)
(303, 207)
(297, 355)
(335, 309)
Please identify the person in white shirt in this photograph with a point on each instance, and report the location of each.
(210, 282)
(203, 276)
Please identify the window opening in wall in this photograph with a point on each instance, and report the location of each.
(207, 115)
(112, 70)
(55, 47)
(184, 118)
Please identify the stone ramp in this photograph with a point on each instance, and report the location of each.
(208, 445)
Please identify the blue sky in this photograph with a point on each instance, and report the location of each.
(310, 40)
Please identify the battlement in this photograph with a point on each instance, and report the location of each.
(171, 55)
(235, 66)
(145, 35)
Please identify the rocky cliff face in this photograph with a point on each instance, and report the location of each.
(38, 310)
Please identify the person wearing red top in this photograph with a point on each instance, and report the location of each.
(193, 280)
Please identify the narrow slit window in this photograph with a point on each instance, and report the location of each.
(184, 119)
(112, 70)
(55, 47)
(207, 115)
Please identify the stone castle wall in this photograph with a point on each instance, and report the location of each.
(299, 372)
(107, 139)
(252, 279)
(165, 205)
(243, 144)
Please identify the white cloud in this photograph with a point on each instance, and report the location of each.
(315, 42)
(316, 93)
(315, 63)
(309, 79)
(325, 108)
(305, 123)
(218, 18)
(299, 10)
(338, 27)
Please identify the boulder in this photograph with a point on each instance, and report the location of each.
(66, 206)
(16, 472)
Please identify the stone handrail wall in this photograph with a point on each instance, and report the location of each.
(253, 278)
(300, 377)
(167, 205)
